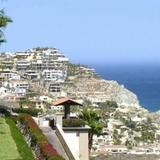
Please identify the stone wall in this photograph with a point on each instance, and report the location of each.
(35, 148)
(61, 136)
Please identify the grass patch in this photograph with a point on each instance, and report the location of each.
(23, 148)
(1, 132)
(8, 148)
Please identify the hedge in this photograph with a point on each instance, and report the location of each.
(73, 123)
(38, 138)
(4, 111)
(30, 111)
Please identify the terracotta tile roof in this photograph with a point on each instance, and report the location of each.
(66, 101)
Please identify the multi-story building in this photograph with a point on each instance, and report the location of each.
(54, 75)
(37, 64)
(22, 55)
(7, 64)
(23, 65)
(49, 59)
(16, 84)
(9, 74)
(54, 87)
(31, 74)
(47, 66)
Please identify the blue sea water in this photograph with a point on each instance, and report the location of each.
(143, 80)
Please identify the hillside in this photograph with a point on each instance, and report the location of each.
(87, 85)
(48, 72)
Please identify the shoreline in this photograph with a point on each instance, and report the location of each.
(142, 80)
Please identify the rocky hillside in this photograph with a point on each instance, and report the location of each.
(99, 90)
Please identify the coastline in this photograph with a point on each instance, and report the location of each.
(143, 80)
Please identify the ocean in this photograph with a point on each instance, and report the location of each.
(143, 80)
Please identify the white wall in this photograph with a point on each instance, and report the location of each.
(72, 139)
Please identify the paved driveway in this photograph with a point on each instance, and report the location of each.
(52, 138)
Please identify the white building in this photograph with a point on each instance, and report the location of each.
(57, 109)
(31, 74)
(20, 91)
(104, 149)
(23, 65)
(115, 148)
(3, 90)
(157, 135)
(17, 85)
(22, 54)
(9, 75)
(54, 75)
(45, 99)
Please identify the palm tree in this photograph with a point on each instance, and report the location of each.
(4, 20)
(91, 118)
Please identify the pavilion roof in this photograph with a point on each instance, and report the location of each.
(66, 101)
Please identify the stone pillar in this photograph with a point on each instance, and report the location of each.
(59, 119)
(77, 140)
(83, 145)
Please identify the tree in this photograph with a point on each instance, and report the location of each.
(148, 131)
(4, 21)
(92, 119)
(129, 144)
(130, 124)
(107, 107)
(25, 102)
(116, 137)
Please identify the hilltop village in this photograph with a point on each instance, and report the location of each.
(36, 77)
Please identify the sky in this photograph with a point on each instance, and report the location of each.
(87, 31)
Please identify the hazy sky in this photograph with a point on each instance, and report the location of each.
(90, 31)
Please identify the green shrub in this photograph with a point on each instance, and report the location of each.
(30, 111)
(73, 123)
(4, 111)
(32, 127)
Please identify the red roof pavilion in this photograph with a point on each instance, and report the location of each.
(66, 102)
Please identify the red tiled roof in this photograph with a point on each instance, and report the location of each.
(65, 101)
